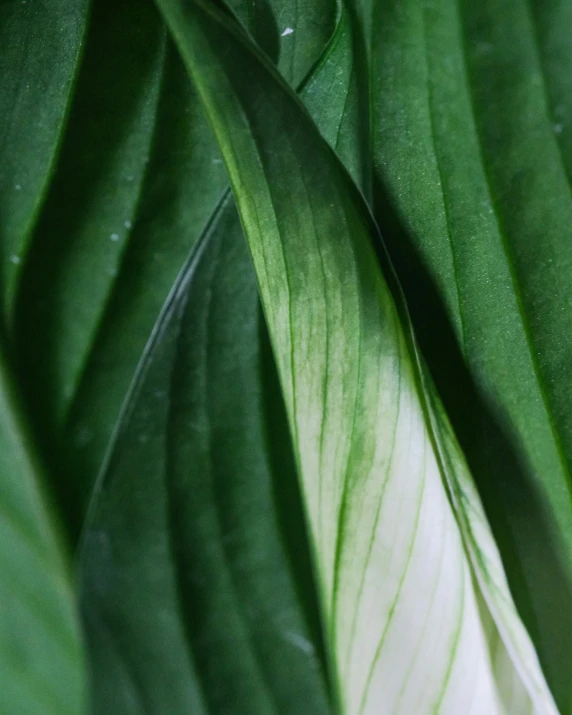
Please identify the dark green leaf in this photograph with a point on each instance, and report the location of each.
(41, 660)
(40, 46)
(41, 663)
(235, 570)
(189, 563)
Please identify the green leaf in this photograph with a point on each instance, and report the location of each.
(197, 587)
(293, 36)
(130, 600)
(85, 226)
(195, 567)
(39, 53)
(216, 531)
(471, 162)
(375, 483)
(121, 217)
(41, 662)
(88, 286)
(83, 233)
(333, 96)
(41, 658)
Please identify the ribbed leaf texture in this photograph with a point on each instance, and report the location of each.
(284, 357)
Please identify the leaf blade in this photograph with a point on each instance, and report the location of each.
(235, 589)
(41, 651)
(274, 229)
(453, 234)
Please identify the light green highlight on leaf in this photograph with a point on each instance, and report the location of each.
(351, 391)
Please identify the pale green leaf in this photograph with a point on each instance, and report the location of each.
(382, 526)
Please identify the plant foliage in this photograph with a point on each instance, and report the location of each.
(284, 360)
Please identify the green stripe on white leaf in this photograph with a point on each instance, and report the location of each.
(402, 602)
(340, 61)
(488, 568)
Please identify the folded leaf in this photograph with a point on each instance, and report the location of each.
(469, 118)
(76, 251)
(332, 95)
(85, 226)
(374, 482)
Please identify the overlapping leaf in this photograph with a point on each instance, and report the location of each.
(41, 659)
(379, 516)
(122, 214)
(215, 535)
(213, 532)
(197, 591)
(470, 117)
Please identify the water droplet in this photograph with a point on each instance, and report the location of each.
(15, 260)
(18, 187)
(128, 224)
(558, 128)
(114, 237)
